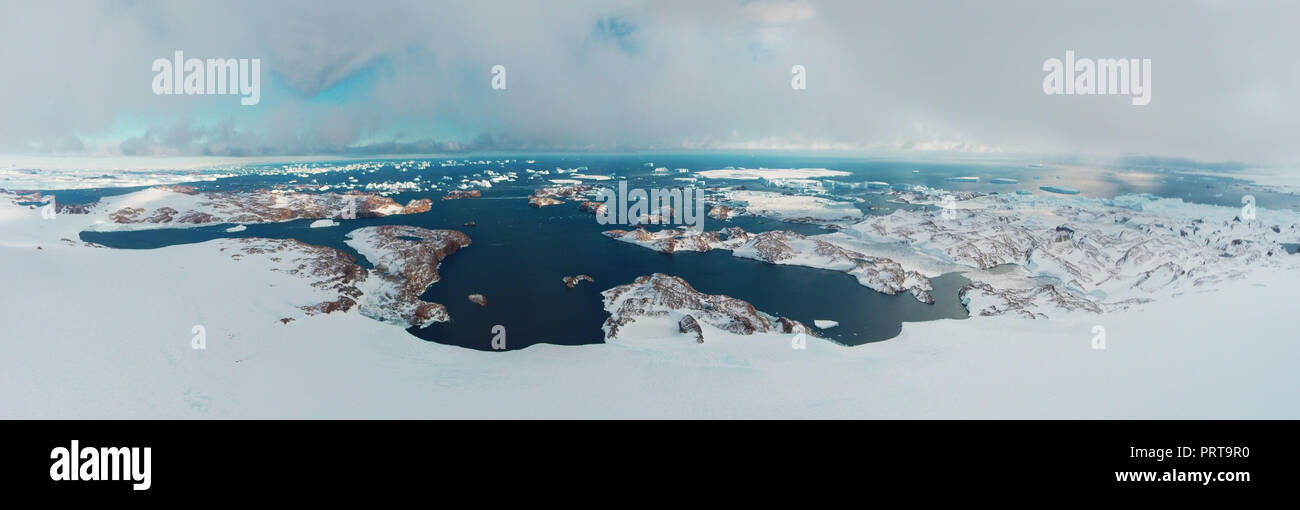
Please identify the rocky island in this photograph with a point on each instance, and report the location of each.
(573, 281)
(660, 295)
(786, 247)
(179, 206)
(406, 261)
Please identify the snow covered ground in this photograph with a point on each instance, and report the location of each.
(93, 332)
(789, 207)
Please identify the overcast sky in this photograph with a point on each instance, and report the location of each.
(414, 76)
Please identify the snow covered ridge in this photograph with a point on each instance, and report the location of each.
(333, 274)
(1073, 253)
(405, 258)
(182, 206)
(660, 295)
(1030, 256)
(406, 261)
(785, 247)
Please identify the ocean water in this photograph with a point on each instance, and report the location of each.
(519, 254)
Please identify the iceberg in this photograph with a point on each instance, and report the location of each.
(1059, 190)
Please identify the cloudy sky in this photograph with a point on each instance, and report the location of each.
(414, 76)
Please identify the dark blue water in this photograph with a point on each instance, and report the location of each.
(519, 254)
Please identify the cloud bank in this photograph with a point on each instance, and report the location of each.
(414, 77)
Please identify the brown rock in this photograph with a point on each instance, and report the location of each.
(572, 281)
(267, 205)
(73, 208)
(721, 212)
(180, 188)
(417, 206)
(461, 193)
(410, 259)
(688, 324)
(540, 202)
(342, 304)
(597, 208)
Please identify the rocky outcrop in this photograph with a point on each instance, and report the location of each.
(170, 205)
(332, 271)
(791, 326)
(180, 188)
(661, 295)
(565, 192)
(342, 304)
(721, 212)
(381, 206)
(539, 202)
(406, 261)
(1033, 302)
(63, 208)
(554, 195)
(462, 193)
(675, 240)
(597, 208)
(478, 299)
(573, 281)
(688, 324)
